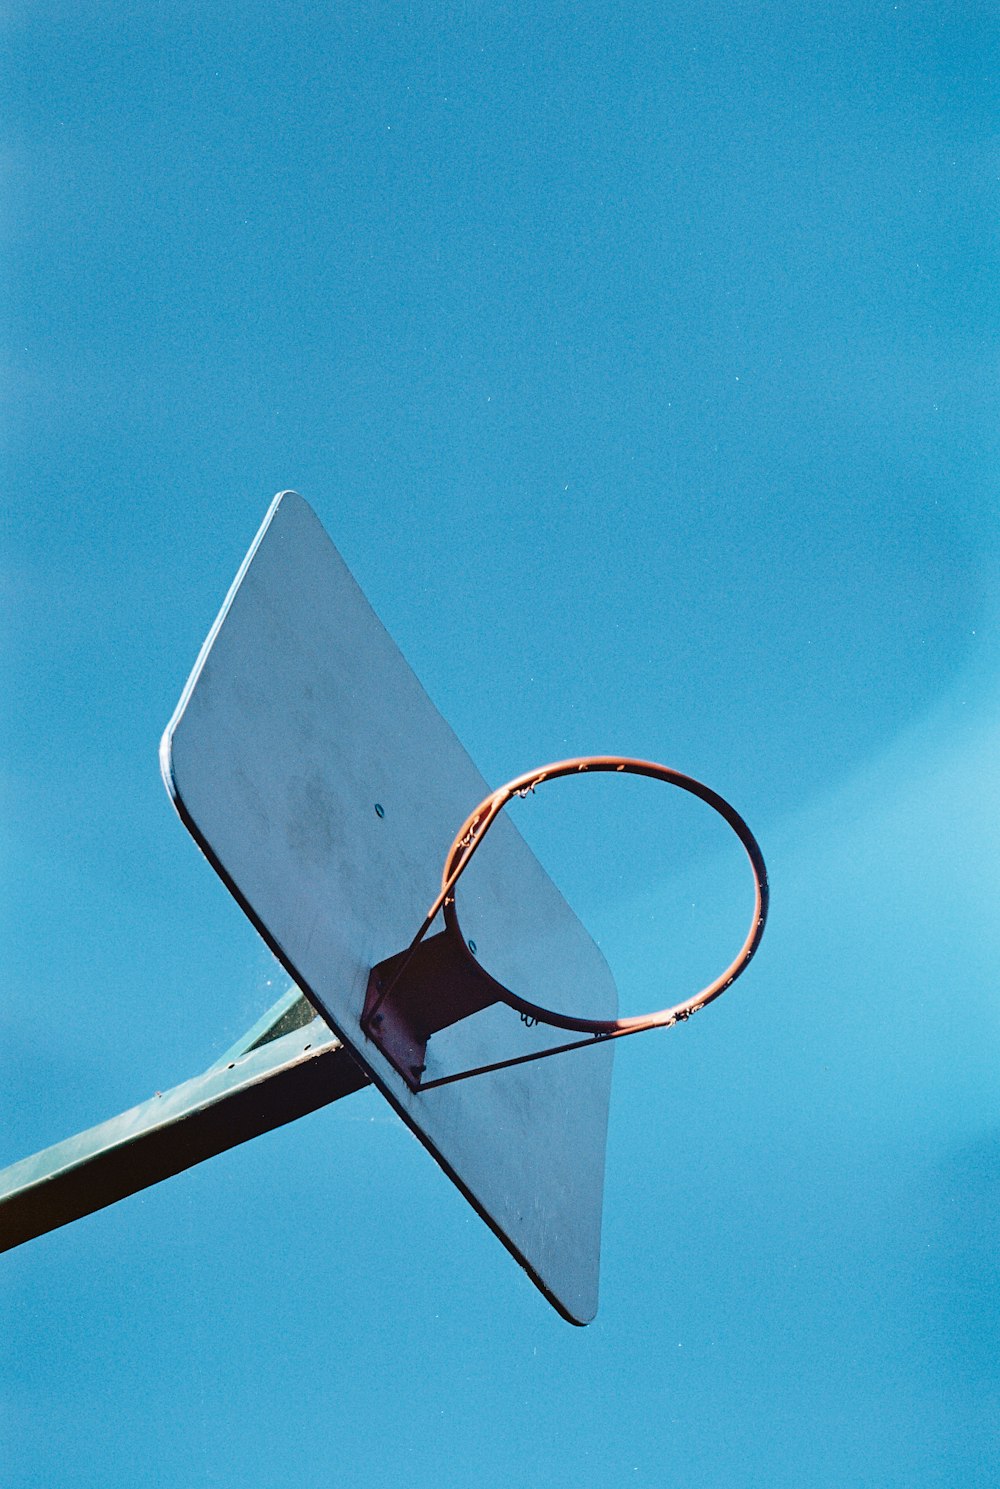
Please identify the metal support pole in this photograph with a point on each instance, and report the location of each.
(288, 1064)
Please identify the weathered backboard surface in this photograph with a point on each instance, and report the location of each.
(325, 788)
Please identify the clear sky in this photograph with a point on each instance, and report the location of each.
(640, 360)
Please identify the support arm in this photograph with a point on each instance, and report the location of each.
(289, 1064)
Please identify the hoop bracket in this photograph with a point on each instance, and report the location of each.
(418, 992)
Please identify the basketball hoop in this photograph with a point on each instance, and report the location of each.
(405, 1002)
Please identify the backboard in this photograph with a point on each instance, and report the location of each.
(324, 787)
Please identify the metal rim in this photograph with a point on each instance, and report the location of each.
(478, 823)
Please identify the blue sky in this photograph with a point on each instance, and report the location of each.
(639, 360)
